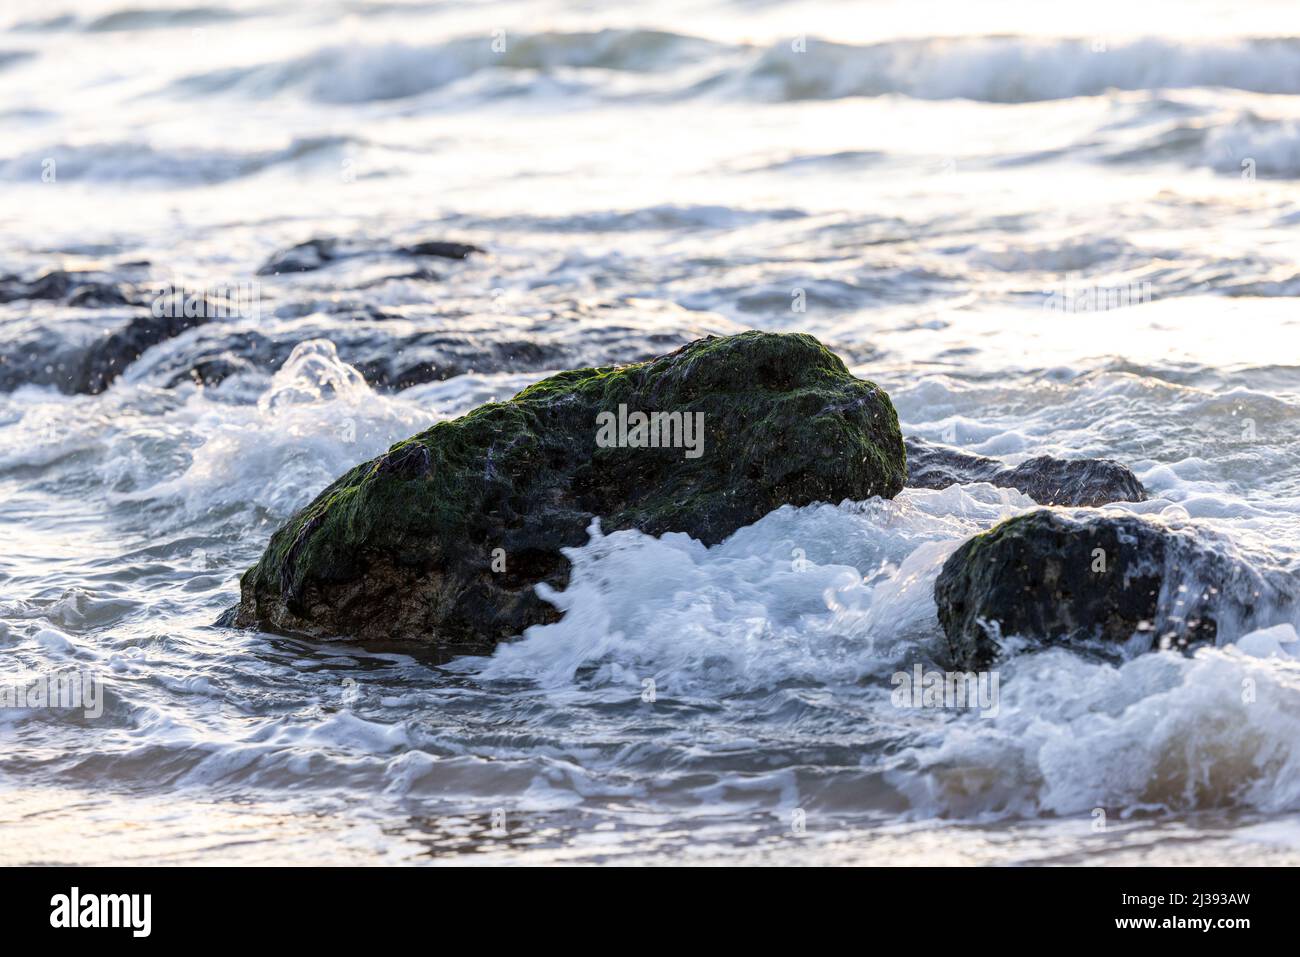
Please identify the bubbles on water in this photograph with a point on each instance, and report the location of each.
(313, 373)
(316, 419)
(741, 615)
(1160, 732)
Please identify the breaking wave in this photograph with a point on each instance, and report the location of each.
(996, 69)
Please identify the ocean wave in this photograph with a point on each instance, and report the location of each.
(1241, 143)
(840, 597)
(135, 162)
(661, 216)
(10, 57)
(830, 594)
(1016, 69)
(995, 69)
(130, 18)
(1254, 146)
(361, 73)
(1162, 732)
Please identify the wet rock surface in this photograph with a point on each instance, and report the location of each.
(1044, 478)
(319, 252)
(79, 354)
(78, 330)
(82, 288)
(442, 539)
(1106, 582)
(397, 349)
(81, 350)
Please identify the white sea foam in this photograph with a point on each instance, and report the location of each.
(1161, 732)
(1255, 147)
(316, 419)
(825, 593)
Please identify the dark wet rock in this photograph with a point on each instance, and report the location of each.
(417, 275)
(396, 351)
(322, 251)
(334, 306)
(83, 352)
(108, 357)
(80, 355)
(81, 288)
(50, 336)
(443, 250)
(1103, 581)
(403, 547)
(305, 257)
(1045, 479)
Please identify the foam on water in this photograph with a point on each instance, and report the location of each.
(825, 594)
(316, 419)
(1158, 733)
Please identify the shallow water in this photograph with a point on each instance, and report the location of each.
(926, 182)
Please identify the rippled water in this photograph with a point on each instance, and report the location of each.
(922, 178)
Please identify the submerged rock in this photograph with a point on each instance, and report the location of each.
(81, 288)
(443, 250)
(304, 257)
(1047, 480)
(1101, 581)
(406, 347)
(321, 251)
(80, 355)
(442, 539)
(79, 329)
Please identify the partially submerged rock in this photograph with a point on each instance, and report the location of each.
(441, 249)
(407, 346)
(442, 539)
(79, 329)
(82, 351)
(304, 257)
(1103, 581)
(321, 251)
(81, 355)
(72, 287)
(1045, 479)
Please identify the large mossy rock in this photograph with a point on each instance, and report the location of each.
(1103, 581)
(406, 546)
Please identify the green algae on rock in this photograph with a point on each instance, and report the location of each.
(443, 538)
